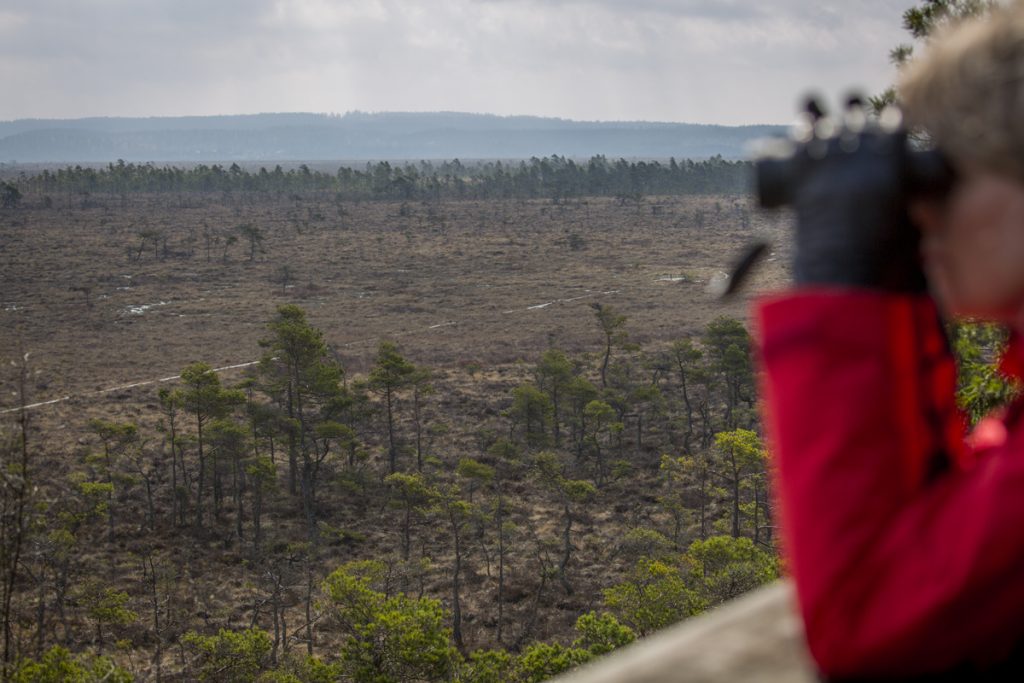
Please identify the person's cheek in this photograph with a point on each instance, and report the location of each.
(926, 215)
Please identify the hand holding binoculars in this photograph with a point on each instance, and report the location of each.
(849, 179)
(784, 165)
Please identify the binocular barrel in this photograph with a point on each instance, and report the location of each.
(779, 176)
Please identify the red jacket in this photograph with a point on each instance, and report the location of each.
(906, 544)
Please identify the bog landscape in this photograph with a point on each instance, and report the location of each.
(400, 422)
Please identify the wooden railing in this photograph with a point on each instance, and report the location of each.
(757, 638)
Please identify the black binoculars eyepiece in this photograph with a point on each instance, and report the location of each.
(927, 172)
(784, 164)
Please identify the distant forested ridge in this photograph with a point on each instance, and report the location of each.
(551, 177)
(361, 136)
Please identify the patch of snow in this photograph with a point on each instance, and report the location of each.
(142, 308)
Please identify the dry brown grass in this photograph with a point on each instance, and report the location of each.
(454, 285)
(474, 290)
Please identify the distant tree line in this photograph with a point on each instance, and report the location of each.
(552, 177)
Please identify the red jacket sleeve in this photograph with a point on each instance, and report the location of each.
(905, 546)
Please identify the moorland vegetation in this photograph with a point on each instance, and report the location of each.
(450, 437)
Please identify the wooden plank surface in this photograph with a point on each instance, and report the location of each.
(757, 638)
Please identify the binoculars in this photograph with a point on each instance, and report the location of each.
(782, 165)
(850, 149)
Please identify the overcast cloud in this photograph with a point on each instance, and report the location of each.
(704, 61)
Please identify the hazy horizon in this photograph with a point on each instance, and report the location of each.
(411, 112)
(713, 62)
(392, 136)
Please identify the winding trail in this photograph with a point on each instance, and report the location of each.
(120, 387)
(172, 378)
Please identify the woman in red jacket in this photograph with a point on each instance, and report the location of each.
(905, 537)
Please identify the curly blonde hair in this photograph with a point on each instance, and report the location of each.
(967, 91)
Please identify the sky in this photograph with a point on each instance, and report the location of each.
(697, 61)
